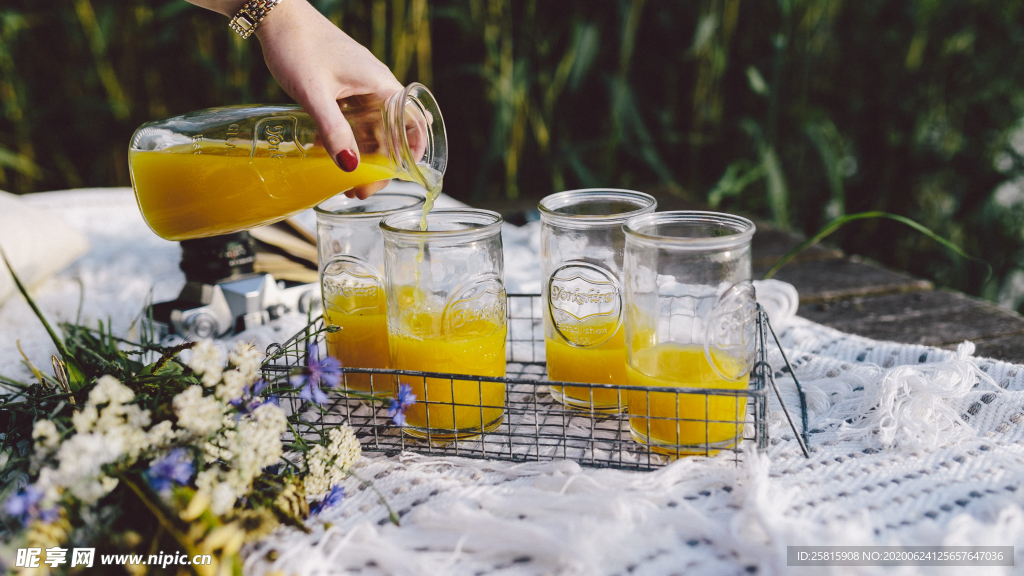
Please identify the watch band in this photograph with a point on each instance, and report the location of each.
(250, 15)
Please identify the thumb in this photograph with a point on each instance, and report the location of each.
(335, 131)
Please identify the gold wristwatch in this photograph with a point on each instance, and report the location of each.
(250, 15)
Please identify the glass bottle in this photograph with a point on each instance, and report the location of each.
(351, 255)
(447, 313)
(691, 322)
(581, 261)
(222, 170)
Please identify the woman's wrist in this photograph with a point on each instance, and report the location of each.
(281, 17)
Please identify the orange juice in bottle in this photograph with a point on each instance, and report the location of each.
(676, 423)
(350, 250)
(451, 407)
(227, 169)
(581, 264)
(362, 341)
(601, 364)
(447, 313)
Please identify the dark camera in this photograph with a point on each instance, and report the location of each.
(223, 295)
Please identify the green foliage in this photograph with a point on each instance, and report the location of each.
(798, 111)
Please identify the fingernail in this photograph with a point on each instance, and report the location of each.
(348, 160)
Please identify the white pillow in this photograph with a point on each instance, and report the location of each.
(37, 243)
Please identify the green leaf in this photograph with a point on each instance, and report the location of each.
(19, 163)
(75, 374)
(756, 81)
(737, 177)
(840, 222)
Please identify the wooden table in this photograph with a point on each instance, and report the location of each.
(862, 297)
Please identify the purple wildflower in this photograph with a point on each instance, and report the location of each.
(333, 498)
(250, 398)
(326, 371)
(401, 403)
(175, 467)
(25, 507)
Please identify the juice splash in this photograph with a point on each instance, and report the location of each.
(186, 195)
(362, 341)
(604, 364)
(683, 424)
(450, 408)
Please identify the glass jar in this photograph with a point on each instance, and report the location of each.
(581, 250)
(691, 321)
(447, 313)
(351, 254)
(222, 170)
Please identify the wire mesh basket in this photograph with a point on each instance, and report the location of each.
(534, 427)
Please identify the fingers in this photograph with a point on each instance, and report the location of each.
(335, 132)
(364, 192)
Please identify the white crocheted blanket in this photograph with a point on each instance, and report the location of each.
(910, 445)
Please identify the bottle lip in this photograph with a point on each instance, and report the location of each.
(436, 154)
(341, 207)
(462, 223)
(551, 205)
(732, 231)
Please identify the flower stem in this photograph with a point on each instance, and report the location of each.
(164, 521)
(391, 513)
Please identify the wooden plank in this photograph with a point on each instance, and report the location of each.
(1007, 348)
(935, 318)
(770, 244)
(838, 279)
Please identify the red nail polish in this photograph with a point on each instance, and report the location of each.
(348, 160)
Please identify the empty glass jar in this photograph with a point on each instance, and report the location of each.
(582, 246)
(446, 313)
(691, 321)
(351, 255)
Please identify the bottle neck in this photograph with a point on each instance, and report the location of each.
(414, 135)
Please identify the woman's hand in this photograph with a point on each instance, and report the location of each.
(319, 65)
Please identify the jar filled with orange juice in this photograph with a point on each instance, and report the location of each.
(351, 256)
(222, 170)
(690, 323)
(582, 244)
(446, 313)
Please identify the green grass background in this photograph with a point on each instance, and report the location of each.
(798, 111)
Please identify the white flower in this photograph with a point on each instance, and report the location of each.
(223, 499)
(246, 359)
(82, 458)
(329, 465)
(161, 435)
(344, 446)
(208, 362)
(198, 414)
(85, 419)
(232, 386)
(109, 389)
(221, 494)
(45, 435)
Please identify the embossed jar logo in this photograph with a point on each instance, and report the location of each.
(349, 292)
(485, 306)
(585, 304)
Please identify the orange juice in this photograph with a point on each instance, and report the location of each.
(604, 364)
(362, 342)
(451, 408)
(678, 424)
(187, 195)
